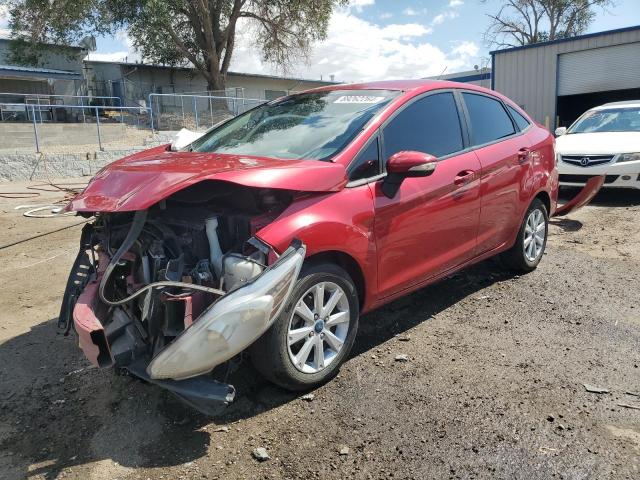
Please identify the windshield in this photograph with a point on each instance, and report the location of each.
(609, 120)
(312, 126)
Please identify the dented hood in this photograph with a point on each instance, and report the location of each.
(141, 180)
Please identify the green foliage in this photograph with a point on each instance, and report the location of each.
(176, 32)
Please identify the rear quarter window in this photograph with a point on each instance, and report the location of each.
(522, 122)
(489, 120)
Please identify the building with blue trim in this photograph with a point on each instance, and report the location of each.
(556, 81)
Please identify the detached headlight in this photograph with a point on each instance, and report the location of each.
(629, 157)
(232, 323)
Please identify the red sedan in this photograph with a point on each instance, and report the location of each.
(274, 231)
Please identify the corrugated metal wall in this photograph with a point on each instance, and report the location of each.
(529, 75)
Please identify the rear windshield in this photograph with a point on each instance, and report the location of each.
(609, 120)
(312, 126)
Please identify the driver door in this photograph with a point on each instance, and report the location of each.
(430, 225)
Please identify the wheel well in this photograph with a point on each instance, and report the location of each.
(348, 263)
(546, 200)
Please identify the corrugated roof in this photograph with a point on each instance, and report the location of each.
(239, 74)
(568, 39)
(20, 68)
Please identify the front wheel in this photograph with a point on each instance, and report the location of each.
(314, 333)
(526, 253)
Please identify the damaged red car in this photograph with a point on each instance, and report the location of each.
(273, 232)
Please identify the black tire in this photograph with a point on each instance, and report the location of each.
(516, 258)
(270, 353)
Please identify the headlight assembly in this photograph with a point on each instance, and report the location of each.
(629, 157)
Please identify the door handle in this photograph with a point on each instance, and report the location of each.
(463, 177)
(523, 155)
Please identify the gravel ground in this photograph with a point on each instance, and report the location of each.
(492, 386)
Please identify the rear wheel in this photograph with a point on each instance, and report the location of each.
(526, 253)
(315, 332)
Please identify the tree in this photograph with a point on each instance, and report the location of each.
(197, 32)
(523, 22)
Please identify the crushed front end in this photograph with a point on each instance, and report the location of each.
(172, 292)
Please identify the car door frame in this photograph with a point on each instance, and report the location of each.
(517, 132)
(466, 149)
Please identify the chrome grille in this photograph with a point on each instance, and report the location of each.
(586, 160)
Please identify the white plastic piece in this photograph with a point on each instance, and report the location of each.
(231, 324)
(215, 252)
(184, 137)
(239, 270)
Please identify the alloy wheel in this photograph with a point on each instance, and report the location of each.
(535, 232)
(318, 327)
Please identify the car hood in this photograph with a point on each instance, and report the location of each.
(143, 179)
(598, 143)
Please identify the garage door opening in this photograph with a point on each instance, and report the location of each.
(570, 107)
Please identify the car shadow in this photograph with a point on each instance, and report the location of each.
(61, 413)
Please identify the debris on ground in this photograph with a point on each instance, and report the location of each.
(402, 358)
(593, 389)
(260, 454)
(223, 428)
(308, 397)
(635, 394)
(343, 450)
(628, 405)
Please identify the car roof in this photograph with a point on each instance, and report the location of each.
(625, 104)
(421, 85)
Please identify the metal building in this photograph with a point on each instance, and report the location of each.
(556, 81)
(480, 76)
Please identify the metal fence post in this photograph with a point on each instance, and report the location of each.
(195, 109)
(182, 106)
(211, 110)
(35, 128)
(98, 128)
(84, 120)
(151, 111)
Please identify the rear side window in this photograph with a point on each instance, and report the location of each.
(429, 125)
(489, 119)
(522, 122)
(366, 164)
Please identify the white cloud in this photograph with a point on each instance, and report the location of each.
(358, 50)
(128, 55)
(410, 11)
(444, 16)
(4, 17)
(360, 4)
(385, 15)
(455, 3)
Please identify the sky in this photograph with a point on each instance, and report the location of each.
(384, 39)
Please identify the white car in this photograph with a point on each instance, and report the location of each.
(603, 141)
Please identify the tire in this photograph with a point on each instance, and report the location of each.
(522, 257)
(275, 357)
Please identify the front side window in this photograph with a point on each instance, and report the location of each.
(429, 125)
(313, 126)
(489, 120)
(609, 120)
(367, 163)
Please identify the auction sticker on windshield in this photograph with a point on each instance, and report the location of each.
(358, 99)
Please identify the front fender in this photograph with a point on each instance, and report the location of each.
(341, 222)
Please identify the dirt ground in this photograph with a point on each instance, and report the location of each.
(493, 387)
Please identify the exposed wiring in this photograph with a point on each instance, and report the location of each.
(136, 228)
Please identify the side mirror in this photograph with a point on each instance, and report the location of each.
(406, 164)
(560, 131)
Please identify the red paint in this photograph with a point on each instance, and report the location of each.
(89, 329)
(587, 193)
(143, 179)
(403, 162)
(468, 209)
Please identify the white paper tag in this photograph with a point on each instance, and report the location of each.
(358, 99)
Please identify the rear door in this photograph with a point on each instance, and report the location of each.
(504, 155)
(430, 225)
